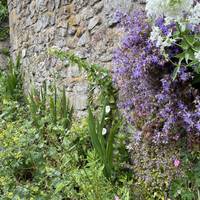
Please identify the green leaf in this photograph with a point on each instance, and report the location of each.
(59, 187)
(190, 39)
(187, 56)
(93, 134)
(175, 72)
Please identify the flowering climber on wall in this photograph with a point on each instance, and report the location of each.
(157, 71)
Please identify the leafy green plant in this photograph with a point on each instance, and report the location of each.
(104, 147)
(187, 187)
(189, 45)
(41, 159)
(66, 111)
(100, 78)
(35, 103)
(13, 79)
(3, 10)
(48, 162)
(53, 104)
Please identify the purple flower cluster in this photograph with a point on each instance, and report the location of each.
(160, 23)
(160, 108)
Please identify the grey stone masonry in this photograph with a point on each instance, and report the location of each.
(4, 47)
(85, 27)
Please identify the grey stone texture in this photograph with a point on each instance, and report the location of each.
(4, 48)
(85, 27)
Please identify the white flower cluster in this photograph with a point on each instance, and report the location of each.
(194, 17)
(162, 42)
(172, 9)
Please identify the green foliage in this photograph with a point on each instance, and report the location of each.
(5, 51)
(11, 80)
(187, 187)
(189, 44)
(4, 32)
(103, 147)
(46, 155)
(174, 2)
(54, 105)
(100, 78)
(3, 10)
(48, 162)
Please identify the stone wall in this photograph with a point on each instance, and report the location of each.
(4, 47)
(86, 27)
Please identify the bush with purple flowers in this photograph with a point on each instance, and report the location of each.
(156, 69)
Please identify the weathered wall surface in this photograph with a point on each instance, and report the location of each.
(86, 27)
(4, 47)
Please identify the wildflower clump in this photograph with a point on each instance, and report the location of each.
(156, 69)
(163, 107)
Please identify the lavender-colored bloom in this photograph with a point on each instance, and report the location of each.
(137, 136)
(160, 23)
(161, 108)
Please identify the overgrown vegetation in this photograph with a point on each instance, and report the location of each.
(45, 154)
(156, 69)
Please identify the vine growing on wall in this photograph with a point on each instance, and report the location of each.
(97, 76)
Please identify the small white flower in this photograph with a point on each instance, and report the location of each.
(107, 109)
(160, 40)
(104, 131)
(194, 18)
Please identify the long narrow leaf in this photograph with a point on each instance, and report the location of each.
(93, 134)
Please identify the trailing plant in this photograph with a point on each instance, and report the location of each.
(98, 77)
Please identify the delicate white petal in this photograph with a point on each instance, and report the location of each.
(194, 17)
(107, 109)
(104, 131)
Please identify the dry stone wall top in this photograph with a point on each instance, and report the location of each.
(86, 27)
